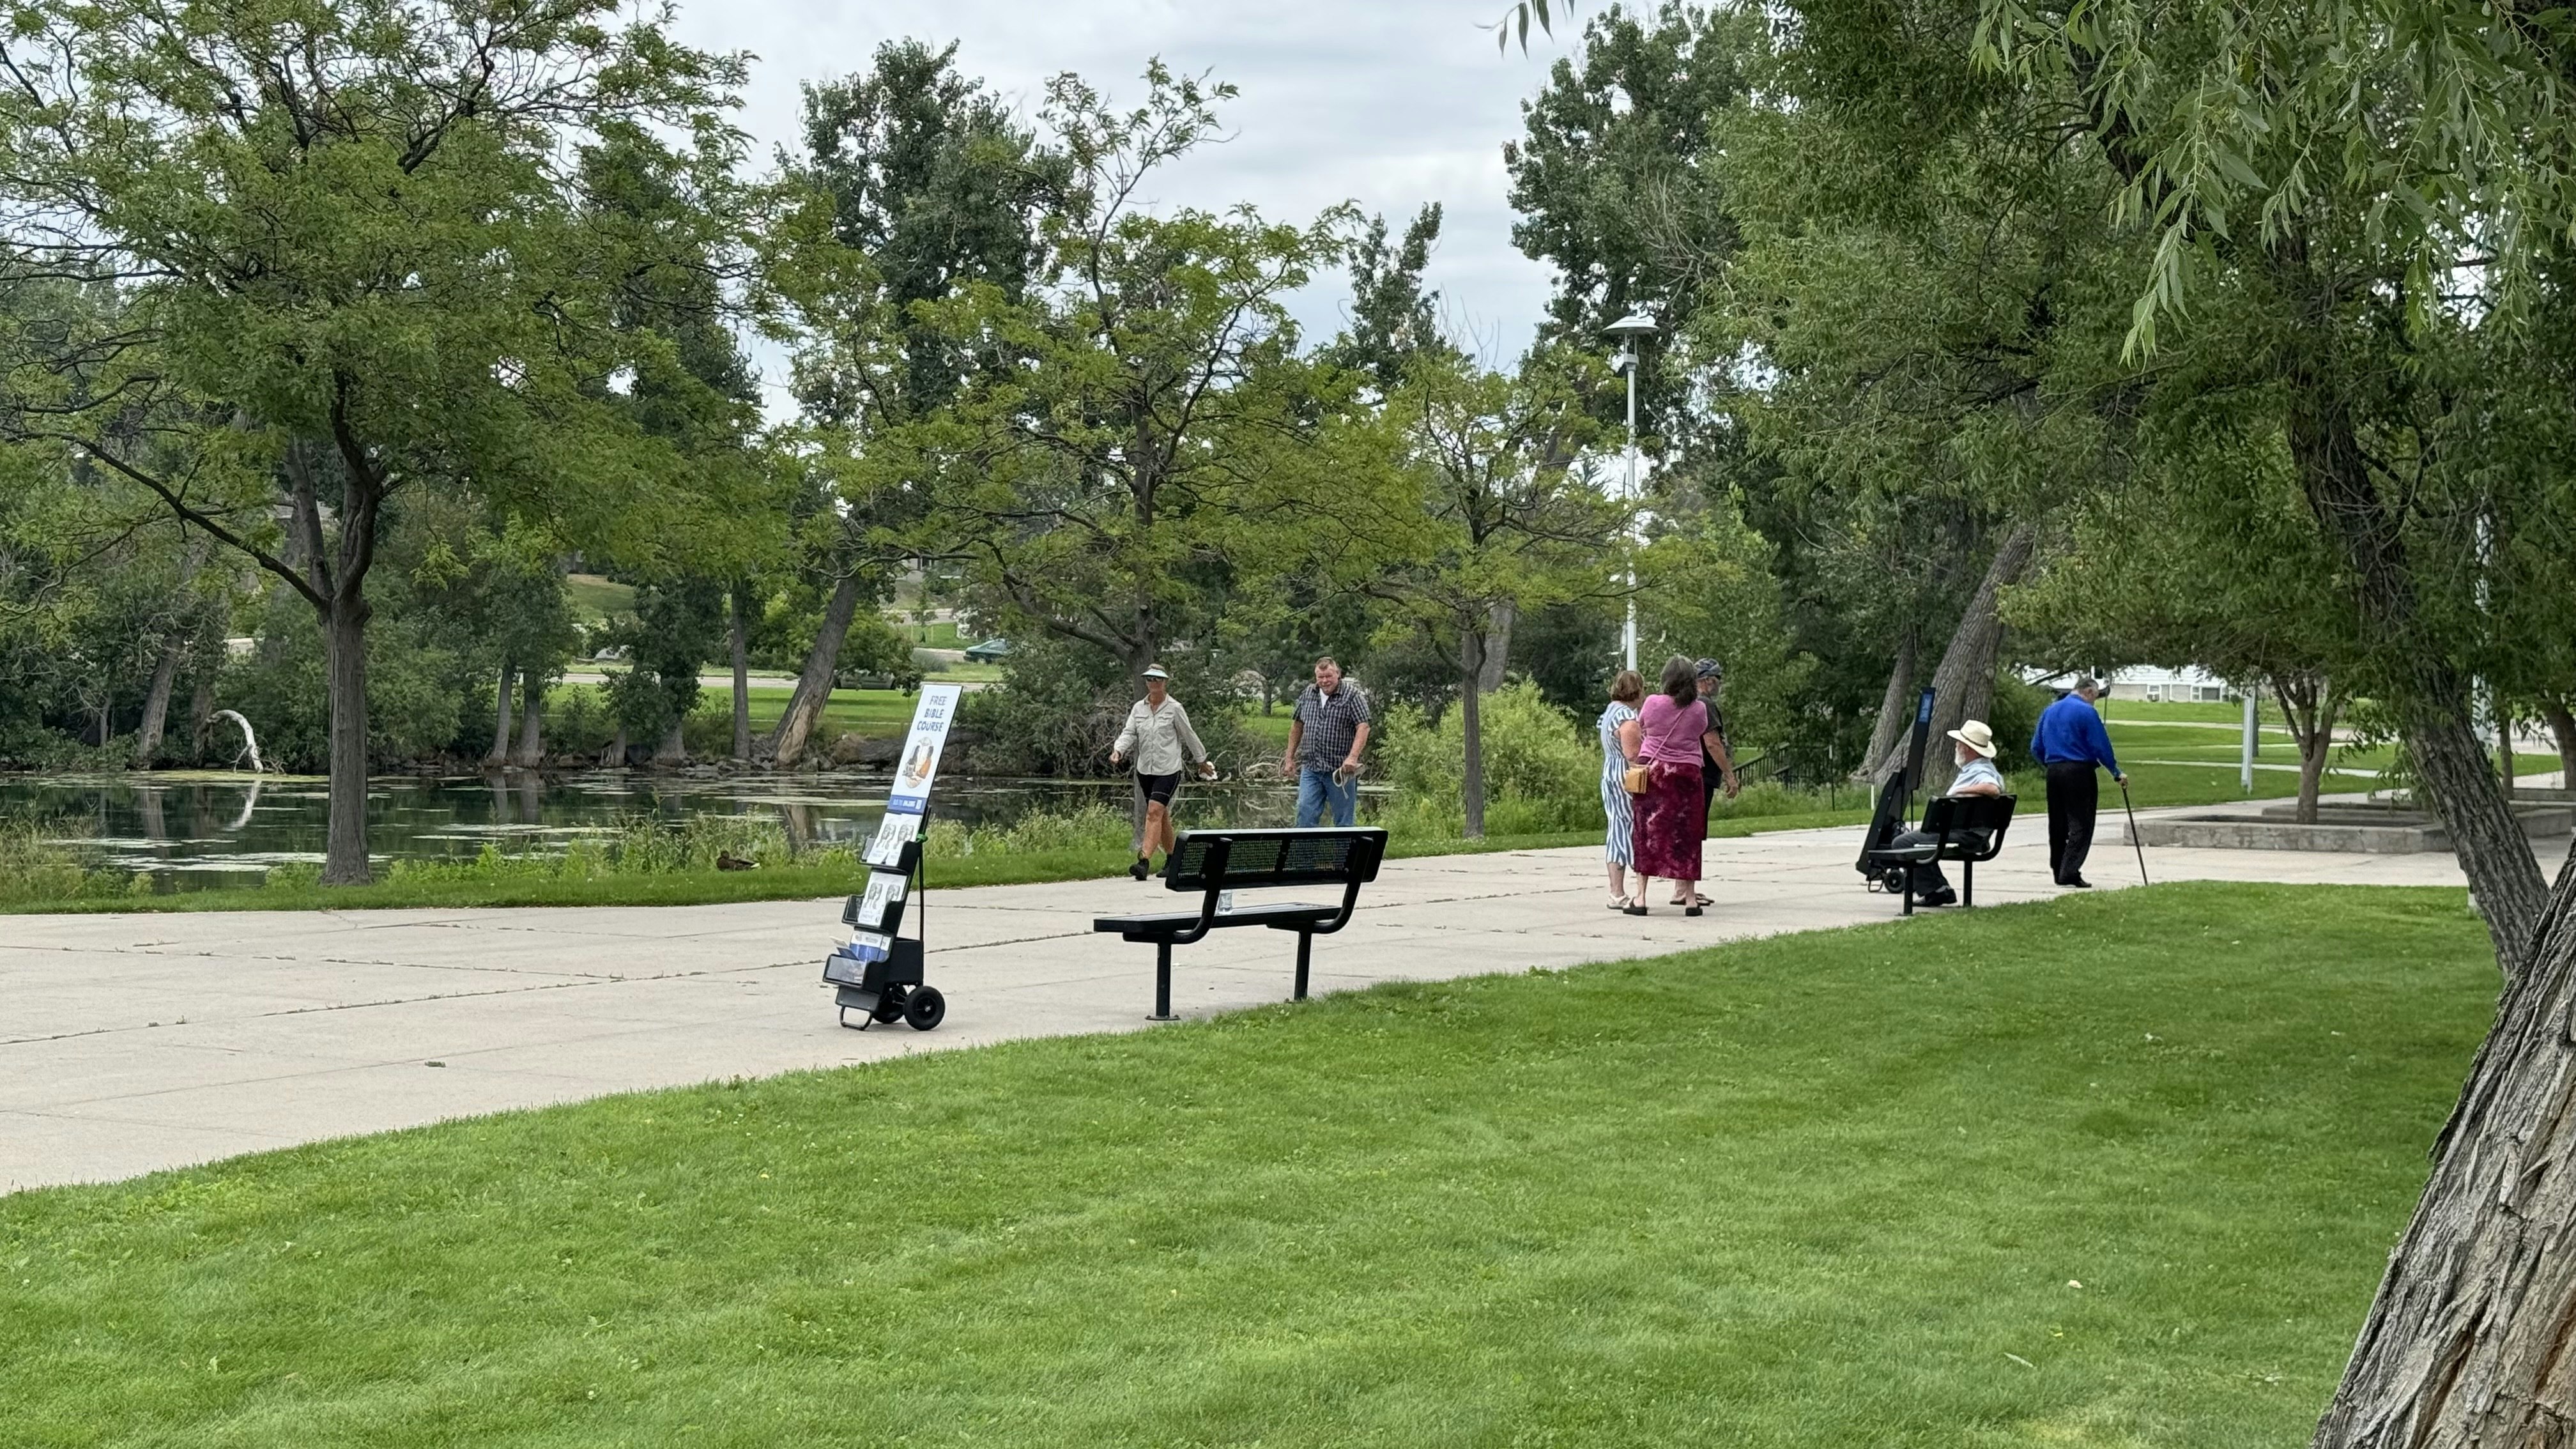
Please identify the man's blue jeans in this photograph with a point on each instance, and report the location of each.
(1315, 788)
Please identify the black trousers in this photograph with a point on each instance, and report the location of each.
(2074, 794)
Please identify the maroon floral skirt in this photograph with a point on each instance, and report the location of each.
(1672, 820)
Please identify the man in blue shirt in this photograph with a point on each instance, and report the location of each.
(2069, 743)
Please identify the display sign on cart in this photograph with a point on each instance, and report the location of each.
(918, 765)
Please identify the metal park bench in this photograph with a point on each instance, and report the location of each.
(1216, 863)
(1965, 829)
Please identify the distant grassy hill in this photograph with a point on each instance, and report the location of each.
(596, 600)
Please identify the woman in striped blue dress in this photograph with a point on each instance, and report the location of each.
(1620, 741)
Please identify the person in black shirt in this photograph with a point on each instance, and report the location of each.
(1717, 767)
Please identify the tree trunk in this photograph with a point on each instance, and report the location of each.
(1498, 645)
(2309, 706)
(1964, 685)
(2562, 726)
(795, 728)
(1895, 712)
(201, 705)
(741, 674)
(499, 754)
(2458, 779)
(674, 749)
(345, 635)
(532, 725)
(156, 702)
(1471, 718)
(2466, 1343)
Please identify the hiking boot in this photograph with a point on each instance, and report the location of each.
(1143, 867)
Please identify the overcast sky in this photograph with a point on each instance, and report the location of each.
(1389, 103)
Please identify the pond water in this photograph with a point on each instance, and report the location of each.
(203, 829)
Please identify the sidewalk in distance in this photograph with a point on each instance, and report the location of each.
(134, 1043)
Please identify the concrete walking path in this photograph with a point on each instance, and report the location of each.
(130, 1043)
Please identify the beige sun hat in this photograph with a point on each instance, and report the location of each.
(1974, 734)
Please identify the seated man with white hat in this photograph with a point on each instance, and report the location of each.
(1977, 776)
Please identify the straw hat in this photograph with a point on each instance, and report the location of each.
(1974, 734)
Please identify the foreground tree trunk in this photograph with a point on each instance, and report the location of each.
(1895, 711)
(2467, 1342)
(532, 725)
(675, 745)
(499, 754)
(2458, 779)
(741, 674)
(1964, 685)
(795, 729)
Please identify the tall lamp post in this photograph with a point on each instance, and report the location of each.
(1632, 332)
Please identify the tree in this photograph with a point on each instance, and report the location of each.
(354, 263)
(1140, 418)
(2216, 566)
(923, 185)
(1613, 185)
(1491, 517)
(1393, 318)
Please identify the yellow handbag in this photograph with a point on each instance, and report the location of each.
(1633, 780)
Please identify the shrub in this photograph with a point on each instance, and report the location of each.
(1092, 827)
(1542, 771)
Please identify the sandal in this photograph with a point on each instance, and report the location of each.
(1635, 908)
(1694, 900)
(1620, 903)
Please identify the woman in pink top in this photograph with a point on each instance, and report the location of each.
(1672, 816)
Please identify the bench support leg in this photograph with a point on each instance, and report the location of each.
(1305, 949)
(1967, 884)
(1909, 888)
(1163, 982)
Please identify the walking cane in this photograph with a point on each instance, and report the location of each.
(2139, 845)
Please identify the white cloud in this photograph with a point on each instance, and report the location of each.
(1389, 103)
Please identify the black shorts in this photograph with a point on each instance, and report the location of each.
(1160, 788)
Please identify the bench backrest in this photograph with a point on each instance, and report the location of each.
(1214, 860)
(1954, 816)
(1886, 824)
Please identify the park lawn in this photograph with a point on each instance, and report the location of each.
(940, 634)
(2104, 1171)
(769, 883)
(596, 600)
(2151, 786)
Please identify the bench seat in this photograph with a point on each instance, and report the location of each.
(1286, 915)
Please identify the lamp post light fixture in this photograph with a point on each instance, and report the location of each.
(1631, 332)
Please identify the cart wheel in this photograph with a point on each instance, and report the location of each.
(924, 1009)
(890, 1005)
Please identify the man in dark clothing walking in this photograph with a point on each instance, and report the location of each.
(2069, 743)
(1715, 770)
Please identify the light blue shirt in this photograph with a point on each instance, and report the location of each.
(1977, 772)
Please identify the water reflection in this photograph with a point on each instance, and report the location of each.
(238, 824)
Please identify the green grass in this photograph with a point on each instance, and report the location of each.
(2107, 1171)
(596, 600)
(76, 894)
(939, 635)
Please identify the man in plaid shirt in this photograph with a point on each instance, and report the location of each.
(1326, 733)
